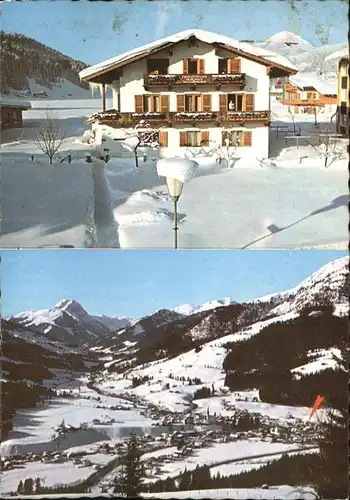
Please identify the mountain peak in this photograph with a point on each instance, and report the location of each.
(71, 306)
(287, 37)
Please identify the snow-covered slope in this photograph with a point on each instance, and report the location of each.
(188, 309)
(304, 55)
(69, 322)
(287, 43)
(330, 284)
(201, 358)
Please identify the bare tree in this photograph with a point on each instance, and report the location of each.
(49, 138)
(292, 116)
(329, 146)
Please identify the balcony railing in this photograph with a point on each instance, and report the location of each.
(116, 119)
(237, 80)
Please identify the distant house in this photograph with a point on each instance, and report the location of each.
(11, 112)
(310, 93)
(195, 89)
(343, 107)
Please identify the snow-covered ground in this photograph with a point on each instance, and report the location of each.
(54, 474)
(35, 428)
(247, 464)
(272, 493)
(281, 205)
(288, 201)
(222, 452)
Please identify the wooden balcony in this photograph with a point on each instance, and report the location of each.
(235, 80)
(169, 119)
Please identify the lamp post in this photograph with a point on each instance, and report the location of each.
(176, 171)
(175, 189)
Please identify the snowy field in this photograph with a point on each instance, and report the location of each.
(34, 428)
(288, 201)
(54, 474)
(219, 453)
(272, 493)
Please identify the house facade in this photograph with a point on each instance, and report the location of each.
(343, 106)
(310, 94)
(11, 112)
(195, 89)
(343, 89)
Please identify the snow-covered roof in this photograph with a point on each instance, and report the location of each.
(204, 36)
(339, 54)
(318, 82)
(14, 102)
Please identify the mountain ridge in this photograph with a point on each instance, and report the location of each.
(34, 60)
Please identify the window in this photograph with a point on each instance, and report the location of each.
(192, 67)
(229, 66)
(157, 66)
(223, 67)
(234, 138)
(237, 138)
(194, 138)
(152, 103)
(193, 103)
(344, 82)
(235, 102)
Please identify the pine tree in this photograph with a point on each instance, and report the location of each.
(129, 481)
(332, 476)
(37, 485)
(20, 489)
(28, 486)
(185, 481)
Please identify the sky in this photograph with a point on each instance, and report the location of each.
(135, 283)
(95, 31)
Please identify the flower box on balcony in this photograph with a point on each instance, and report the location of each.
(149, 116)
(195, 116)
(109, 114)
(226, 78)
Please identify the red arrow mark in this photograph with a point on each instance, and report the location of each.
(318, 401)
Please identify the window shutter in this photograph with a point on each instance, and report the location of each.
(247, 138)
(180, 103)
(205, 138)
(138, 103)
(223, 103)
(206, 102)
(185, 66)
(234, 65)
(182, 138)
(164, 103)
(249, 102)
(224, 136)
(163, 139)
(200, 66)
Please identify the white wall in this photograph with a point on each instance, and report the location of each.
(259, 148)
(131, 83)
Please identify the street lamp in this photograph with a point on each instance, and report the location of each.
(176, 171)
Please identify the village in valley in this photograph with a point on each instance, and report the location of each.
(251, 118)
(82, 399)
(161, 125)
